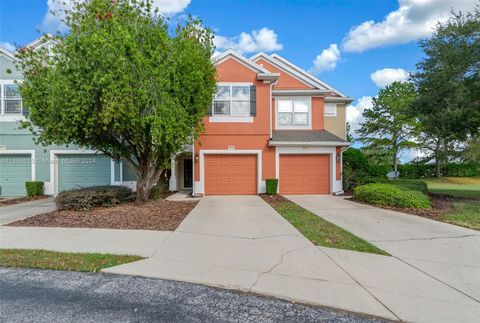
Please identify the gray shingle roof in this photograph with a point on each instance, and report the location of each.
(305, 136)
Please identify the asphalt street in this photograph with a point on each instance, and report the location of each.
(30, 295)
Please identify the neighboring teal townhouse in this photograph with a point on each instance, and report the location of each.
(59, 167)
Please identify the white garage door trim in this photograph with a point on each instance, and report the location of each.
(335, 186)
(54, 166)
(200, 185)
(30, 152)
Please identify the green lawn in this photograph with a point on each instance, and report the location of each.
(466, 214)
(322, 232)
(42, 259)
(456, 186)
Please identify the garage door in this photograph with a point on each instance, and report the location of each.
(230, 174)
(15, 170)
(75, 171)
(304, 174)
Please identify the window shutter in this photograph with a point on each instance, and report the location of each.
(209, 109)
(253, 100)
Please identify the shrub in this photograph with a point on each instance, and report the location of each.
(157, 192)
(391, 195)
(34, 188)
(416, 171)
(272, 185)
(408, 184)
(355, 167)
(87, 198)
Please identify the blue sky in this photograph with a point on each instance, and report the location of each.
(358, 46)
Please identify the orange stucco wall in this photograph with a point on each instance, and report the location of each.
(285, 81)
(243, 136)
(318, 122)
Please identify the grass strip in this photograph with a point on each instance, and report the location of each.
(42, 259)
(466, 214)
(321, 232)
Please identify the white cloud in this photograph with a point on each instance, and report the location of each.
(53, 22)
(387, 76)
(355, 111)
(8, 46)
(258, 40)
(413, 19)
(327, 60)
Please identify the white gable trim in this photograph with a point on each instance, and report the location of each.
(8, 53)
(222, 57)
(284, 68)
(304, 74)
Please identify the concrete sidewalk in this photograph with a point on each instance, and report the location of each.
(240, 242)
(447, 256)
(11, 213)
(124, 242)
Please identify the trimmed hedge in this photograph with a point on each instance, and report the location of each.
(416, 171)
(87, 198)
(391, 195)
(34, 188)
(408, 184)
(271, 186)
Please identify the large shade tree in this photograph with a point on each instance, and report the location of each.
(122, 83)
(448, 85)
(387, 126)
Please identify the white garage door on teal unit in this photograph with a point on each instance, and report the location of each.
(15, 170)
(82, 170)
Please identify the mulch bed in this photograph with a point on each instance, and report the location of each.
(153, 215)
(22, 199)
(274, 200)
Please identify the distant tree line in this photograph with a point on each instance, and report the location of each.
(437, 111)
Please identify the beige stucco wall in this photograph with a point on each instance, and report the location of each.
(336, 125)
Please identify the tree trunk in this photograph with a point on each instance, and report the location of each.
(147, 177)
(395, 164)
(438, 172)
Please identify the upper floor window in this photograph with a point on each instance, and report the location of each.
(11, 102)
(330, 109)
(232, 100)
(293, 113)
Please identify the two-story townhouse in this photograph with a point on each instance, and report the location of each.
(269, 119)
(59, 167)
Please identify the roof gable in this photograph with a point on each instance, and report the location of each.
(231, 54)
(288, 78)
(305, 75)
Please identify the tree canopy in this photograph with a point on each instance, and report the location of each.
(120, 82)
(386, 125)
(448, 85)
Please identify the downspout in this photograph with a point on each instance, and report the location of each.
(270, 102)
(341, 165)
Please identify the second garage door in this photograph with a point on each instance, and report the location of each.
(76, 171)
(230, 174)
(304, 174)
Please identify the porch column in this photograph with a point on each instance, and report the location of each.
(172, 183)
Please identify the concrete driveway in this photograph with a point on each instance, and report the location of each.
(240, 242)
(11, 213)
(448, 254)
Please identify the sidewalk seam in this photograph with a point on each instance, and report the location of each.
(359, 284)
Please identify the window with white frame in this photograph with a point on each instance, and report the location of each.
(11, 102)
(232, 100)
(330, 109)
(293, 113)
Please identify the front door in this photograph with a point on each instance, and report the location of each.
(187, 173)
